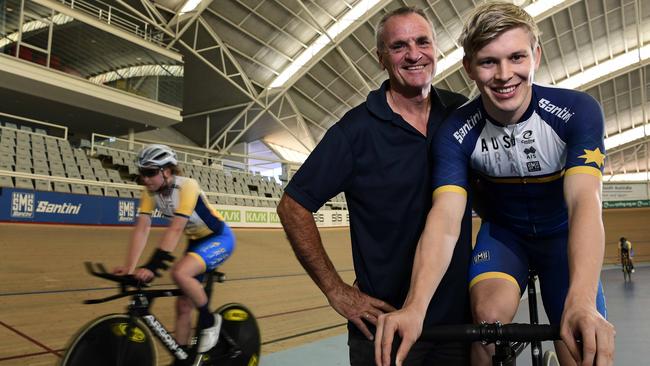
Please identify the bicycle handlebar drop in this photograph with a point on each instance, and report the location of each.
(493, 332)
(128, 281)
(98, 270)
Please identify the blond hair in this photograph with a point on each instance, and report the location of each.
(489, 20)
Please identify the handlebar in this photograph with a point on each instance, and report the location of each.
(126, 281)
(493, 332)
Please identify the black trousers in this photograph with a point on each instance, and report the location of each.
(362, 353)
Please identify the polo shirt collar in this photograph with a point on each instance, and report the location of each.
(378, 106)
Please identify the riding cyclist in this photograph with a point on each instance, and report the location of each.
(625, 248)
(211, 241)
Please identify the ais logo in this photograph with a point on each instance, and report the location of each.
(22, 205)
(126, 211)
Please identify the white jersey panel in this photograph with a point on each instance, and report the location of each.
(531, 148)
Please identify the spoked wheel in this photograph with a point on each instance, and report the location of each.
(112, 340)
(239, 342)
(550, 359)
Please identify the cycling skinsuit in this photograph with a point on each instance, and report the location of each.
(211, 240)
(519, 171)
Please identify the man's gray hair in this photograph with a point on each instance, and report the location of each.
(406, 10)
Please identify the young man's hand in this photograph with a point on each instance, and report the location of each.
(406, 323)
(582, 320)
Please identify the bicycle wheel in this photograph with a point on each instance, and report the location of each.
(550, 359)
(112, 340)
(240, 325)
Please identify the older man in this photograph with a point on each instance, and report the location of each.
(379, 155)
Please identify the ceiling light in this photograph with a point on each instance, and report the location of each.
(606, 68)
(189, 6)
(627, 177)
(627, 136)
(287, 153)
(325, 39)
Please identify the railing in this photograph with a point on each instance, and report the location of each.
(186, 154)
(63, 129)
(118, 18)
(105, 184)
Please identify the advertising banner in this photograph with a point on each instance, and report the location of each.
(625, 191)
(238, 216)
(67, 208)
(625, 195)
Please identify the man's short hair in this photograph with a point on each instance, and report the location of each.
(489, 20)
(405, 10)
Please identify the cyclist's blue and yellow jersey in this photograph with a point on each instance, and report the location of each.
(187, 200)
(521, 166)
(520, 171)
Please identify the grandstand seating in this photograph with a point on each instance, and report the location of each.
(33, 151)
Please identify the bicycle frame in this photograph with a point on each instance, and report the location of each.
(509, 339)
(506, 354)
(141, 302)
(139, 308)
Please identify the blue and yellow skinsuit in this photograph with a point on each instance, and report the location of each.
(211, 240)
(518, 171)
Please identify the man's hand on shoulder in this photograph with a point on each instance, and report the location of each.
(356, 306)
(582, 320)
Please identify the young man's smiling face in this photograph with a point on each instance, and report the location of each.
(409, 53)
(503, 71)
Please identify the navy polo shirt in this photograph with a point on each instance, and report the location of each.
(383, 165)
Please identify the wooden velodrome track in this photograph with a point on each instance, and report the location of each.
(43, 283)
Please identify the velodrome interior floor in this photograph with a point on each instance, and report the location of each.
(44, 283)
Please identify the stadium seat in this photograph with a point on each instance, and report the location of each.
(42, 185)
(6, 181)
(95, 190)
(61, 187)
(78, 188)
(24, 183)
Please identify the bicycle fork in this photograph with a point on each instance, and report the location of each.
(535, 347)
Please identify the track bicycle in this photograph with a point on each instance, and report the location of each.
(626, 266)
(126, 339)
(510, 340)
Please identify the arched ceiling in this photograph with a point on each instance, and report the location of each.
(260, 39)
(235, 50)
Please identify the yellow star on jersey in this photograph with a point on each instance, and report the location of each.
(594, 156)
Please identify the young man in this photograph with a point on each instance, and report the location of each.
(378, 154)
(536, 154)
(211, 241)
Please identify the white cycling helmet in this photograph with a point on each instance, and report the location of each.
(156, 156)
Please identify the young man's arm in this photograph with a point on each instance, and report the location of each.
(586, 248)
(432, 258)
(299, 224)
